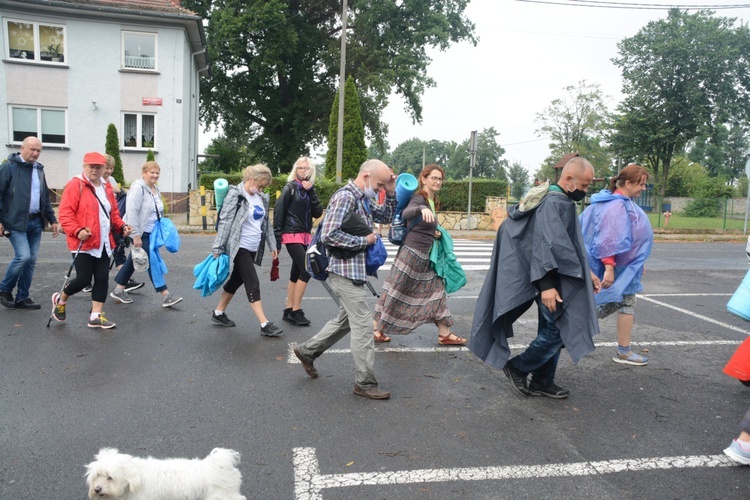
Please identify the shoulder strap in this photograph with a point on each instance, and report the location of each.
(93, 191)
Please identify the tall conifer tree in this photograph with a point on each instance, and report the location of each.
(354, 148)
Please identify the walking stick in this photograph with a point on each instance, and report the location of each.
(119, 247)
(331, 292)
(67, 277)
(370, 287)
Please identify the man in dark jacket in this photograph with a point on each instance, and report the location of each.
(539, 256)
(24, 211)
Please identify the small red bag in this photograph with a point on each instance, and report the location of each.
(739, 364)
(275, 269)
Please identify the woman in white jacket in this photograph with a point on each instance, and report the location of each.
(144, 208)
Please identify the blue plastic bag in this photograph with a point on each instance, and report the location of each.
(211, 274)
(376, 257)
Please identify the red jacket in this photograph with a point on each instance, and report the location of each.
(79, 209)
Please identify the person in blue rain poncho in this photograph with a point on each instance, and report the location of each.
(618, 239)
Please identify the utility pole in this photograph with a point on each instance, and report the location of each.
(342, 84)
(473, 156)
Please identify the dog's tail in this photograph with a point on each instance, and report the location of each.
(224, 458)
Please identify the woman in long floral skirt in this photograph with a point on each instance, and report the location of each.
(413, 294)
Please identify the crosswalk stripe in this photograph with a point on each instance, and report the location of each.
(472, 255)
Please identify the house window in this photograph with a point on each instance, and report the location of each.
(139, 130)
(30, 121)
(29, 41)
(139, 50)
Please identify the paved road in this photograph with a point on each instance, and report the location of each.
(170, 383)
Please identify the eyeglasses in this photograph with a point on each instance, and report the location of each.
(435, 179)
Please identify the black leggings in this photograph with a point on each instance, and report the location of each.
(244, 272)
(86, 267)
(299, 269)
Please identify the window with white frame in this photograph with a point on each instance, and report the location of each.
(48, 124)
(139, 50)
(139, 130)
(32, 41)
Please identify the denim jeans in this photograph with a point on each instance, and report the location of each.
(21, 268)
(540, 358)
(127, 269)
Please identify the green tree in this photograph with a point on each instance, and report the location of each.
(231, 155)
(489, 163)
(354, 150)
(275, 64)
(681, 76)
(576, 122)
(112, 148)
(150, 155)
(410, 156)
(519, 180)
(380, 151)
(721, 151)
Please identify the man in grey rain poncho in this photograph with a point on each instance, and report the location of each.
(539, 256)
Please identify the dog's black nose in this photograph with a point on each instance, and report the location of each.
(98, 489)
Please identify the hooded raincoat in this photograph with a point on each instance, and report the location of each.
(613, 225)
(529, 245)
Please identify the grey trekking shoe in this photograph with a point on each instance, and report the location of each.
(169, 300)
(270, 330)
(101, 322)
(221, 319)
(373, 393)
(121, 295)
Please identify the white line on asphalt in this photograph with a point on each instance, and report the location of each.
(685, 294)
(309, 482)
(292, 359)
(695, 315)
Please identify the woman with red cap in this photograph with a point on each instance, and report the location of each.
(88, 214)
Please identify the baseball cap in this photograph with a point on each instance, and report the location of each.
(140, 258)
(94, 158)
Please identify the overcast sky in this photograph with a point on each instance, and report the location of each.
(527, 53)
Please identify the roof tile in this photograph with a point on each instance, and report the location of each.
(169, 6)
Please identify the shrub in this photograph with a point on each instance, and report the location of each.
(703, 207)
(454, 196)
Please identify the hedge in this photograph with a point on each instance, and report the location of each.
(454, 196)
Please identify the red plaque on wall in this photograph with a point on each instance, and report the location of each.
(152, 101)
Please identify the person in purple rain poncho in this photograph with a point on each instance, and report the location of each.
(618, 239)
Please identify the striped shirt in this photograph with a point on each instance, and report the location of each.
(351, 199)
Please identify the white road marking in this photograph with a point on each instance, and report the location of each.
(309, 482)
(292, 359)
(472, 255)
(695, 315)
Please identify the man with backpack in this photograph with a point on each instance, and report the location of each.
(347, 276)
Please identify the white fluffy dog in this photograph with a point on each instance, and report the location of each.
(117, 476)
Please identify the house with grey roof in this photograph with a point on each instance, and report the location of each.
(71, 67)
